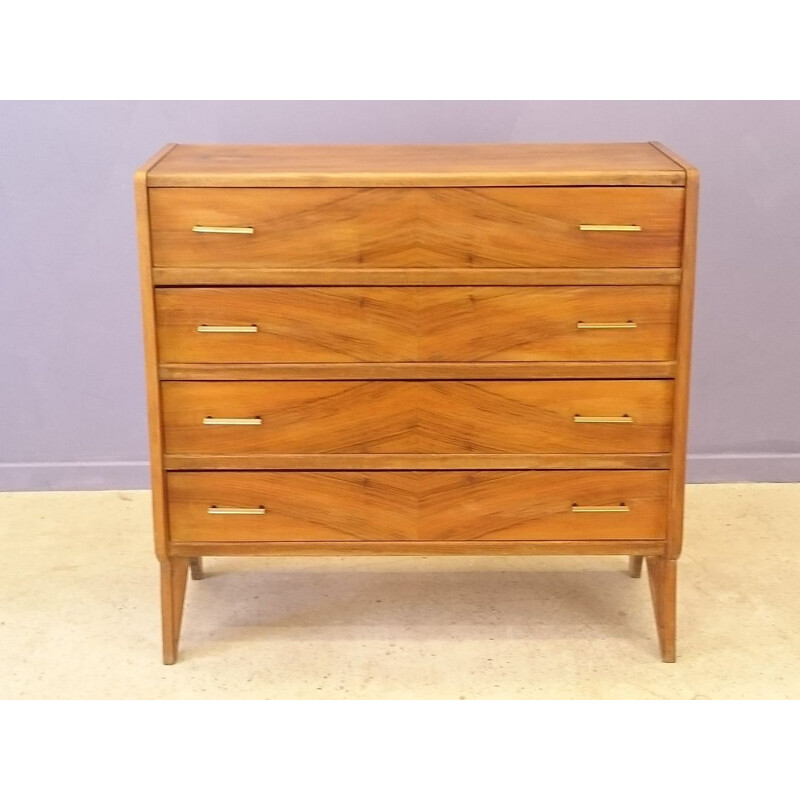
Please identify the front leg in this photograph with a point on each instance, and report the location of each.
(174, 572)
(663, 574)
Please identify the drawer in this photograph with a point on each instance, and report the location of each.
(414, 417)
(373, 228)
(416, 324)
(417, 505)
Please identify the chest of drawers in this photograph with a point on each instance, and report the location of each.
(399, 350)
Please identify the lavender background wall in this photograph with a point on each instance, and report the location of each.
(72, 400)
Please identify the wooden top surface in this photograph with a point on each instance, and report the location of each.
(617, 164)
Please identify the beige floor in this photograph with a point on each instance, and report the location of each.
(79, 614)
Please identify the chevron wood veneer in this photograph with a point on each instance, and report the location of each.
(417, 417)
(417, 324)
(417, 350)
(432, 505)
(374, 228)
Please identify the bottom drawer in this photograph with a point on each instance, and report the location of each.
(377, 505)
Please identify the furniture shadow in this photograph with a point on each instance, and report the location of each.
(418, 604)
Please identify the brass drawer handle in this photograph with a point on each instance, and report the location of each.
(587, 326)
(231, 420)
(609, 227)
(227, 328)
(625, 418)
(221, 229)
(600, 509)
(240, 511)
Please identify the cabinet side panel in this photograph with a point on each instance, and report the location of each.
(151, 354)
(683, 357)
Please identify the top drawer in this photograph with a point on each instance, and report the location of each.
(374, 228)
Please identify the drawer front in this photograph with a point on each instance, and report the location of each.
(434, 506)
(416, 324)
(413, 417)
(373, 228)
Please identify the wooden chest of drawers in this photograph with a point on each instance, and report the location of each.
(417, 350)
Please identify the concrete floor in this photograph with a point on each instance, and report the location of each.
(79, 614)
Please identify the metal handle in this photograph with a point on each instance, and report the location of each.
(227, 328)
(600, 509)
(614, 420)
(221, 229)
(231, 420)
(609, 227)
(585, 326)
(240, 511)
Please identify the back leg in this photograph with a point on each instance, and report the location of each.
(634, 566)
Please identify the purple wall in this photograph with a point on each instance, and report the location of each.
(72, 399)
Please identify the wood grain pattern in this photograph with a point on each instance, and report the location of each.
(478, 276)
(684, 356)
(598, 547)
(155, 436)
(437, 417)
(436, 505)
(416, 324)
(417, 366)
(637, 163)
(327, 461)
(416, 371)
(378, 228)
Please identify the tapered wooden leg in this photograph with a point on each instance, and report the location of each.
(635, 566)
(173, 590)
(196, 565)
(663, 574)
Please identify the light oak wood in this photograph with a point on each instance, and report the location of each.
(378, 228)
(433, 505)
(416, 324)
(415, 371)
(436, 417)
(196, 568)
(478, 276)
(325, 461)
(604, 547)
(637, 163)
